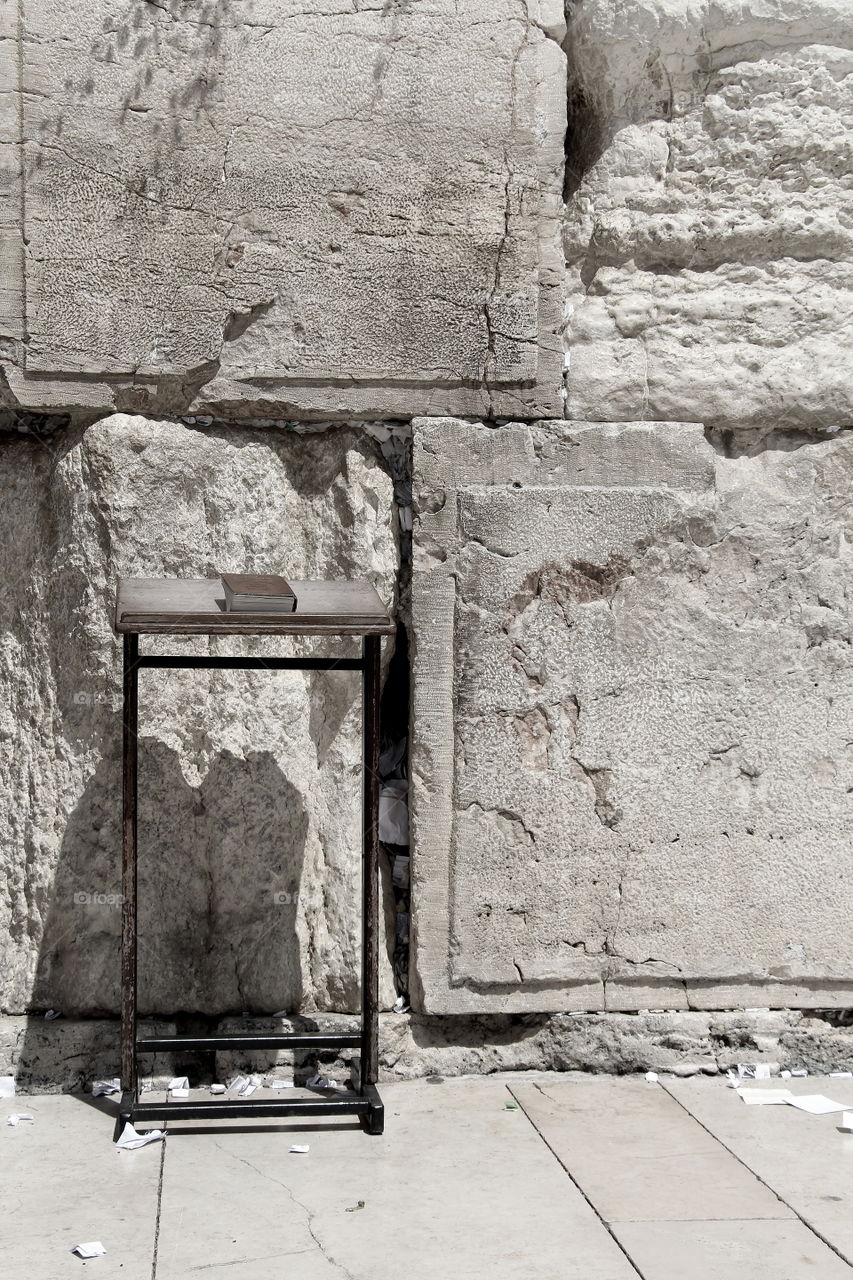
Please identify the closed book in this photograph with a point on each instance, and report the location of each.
(257, 593)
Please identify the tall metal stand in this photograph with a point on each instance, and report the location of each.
(364, 1101)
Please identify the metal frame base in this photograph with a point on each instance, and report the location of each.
(367, 1106)
(364, 1100)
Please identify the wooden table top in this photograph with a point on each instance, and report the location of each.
(196, 606)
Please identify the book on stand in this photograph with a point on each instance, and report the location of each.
(257, 593)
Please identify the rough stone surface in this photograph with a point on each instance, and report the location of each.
(631, 778)
(306, 209)
(249, 785)
(68, 1054)
(709, 238)
(630, 749)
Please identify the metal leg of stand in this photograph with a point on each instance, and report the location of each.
(373, 1121)
(128, 880)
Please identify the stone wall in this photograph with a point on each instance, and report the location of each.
(596, 265)
(262, 207)
(636, 623)
(249, 793)
(641, 651)
(708, 237)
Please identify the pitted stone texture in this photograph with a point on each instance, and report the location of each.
(641, 653)
(276, 209)
(709, 244)
(249, 823)
(56, 1056)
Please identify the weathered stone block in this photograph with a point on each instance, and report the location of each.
(249, 821)
(634, 707)
(709, 236)
(67, 1054)
(279, 209)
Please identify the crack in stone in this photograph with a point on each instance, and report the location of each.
(490, 363)
(309, 1216)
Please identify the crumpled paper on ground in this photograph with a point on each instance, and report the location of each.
(92, 1249)
(130, 1139)
(101, 1087)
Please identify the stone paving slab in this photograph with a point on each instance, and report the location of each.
(638, 1156)
(591, 1177)
(457, 1185)
(732, 1250)
(63, 1182)
(805, 1158)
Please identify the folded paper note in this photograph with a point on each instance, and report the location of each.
(92, 1249)
(816, 1104)
(765, 1097)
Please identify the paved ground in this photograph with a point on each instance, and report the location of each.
(590, 1178)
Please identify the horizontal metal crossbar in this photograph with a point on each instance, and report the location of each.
(284, 1040)
(205, 1109)
(232, 663)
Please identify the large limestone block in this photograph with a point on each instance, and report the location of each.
(249, 823)
(271, 208)
(633, 710)
(709, 237)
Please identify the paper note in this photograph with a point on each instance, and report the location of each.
(816, 1104)
(7, 1086)
(300, 1149)
(16, 1116)
(765, 1097)
(320, 1082)
(130, 1140)
(245, 1086)
(400, 871)
(281, 1084)
(394, 812)
(762, 1071)
(179, 1088)
(93, 1249)
(106, 1086)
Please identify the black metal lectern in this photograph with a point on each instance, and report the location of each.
(185, 607)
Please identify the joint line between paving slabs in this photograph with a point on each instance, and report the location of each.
(159, 1204)
(758, 1178)
(579, 1188)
